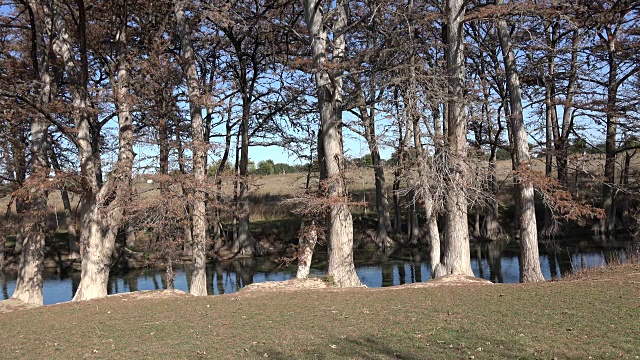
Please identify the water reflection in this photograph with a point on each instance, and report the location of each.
(3, 284)
(498, 262)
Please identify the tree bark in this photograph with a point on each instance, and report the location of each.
(34, 225)
(244, 244)
(527, 220)
(608, 225)
(308, 240)
(18, 143)
(329, 92)
(29, 280)
(102, 209)
(367, 117)
(415, 184)
(199, 219)
(431, 216)
(550, 227)
(456, 258)
(95, 267)
(3, 243)
(187, 246)
(69, 213)
(218, 233)
(624, 184)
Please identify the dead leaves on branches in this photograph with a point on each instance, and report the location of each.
(559, 200)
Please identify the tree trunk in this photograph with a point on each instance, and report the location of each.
(169, 274)
(199, 219)
(70, 215)
(367, 117)
(102, 215)
(34, 225)
(608, 225)
(96, 255)
(95, 265)
(561, 133)
(413, 225)
(456, 258)
(624, 184)
(130, 234)
(382, 203)
(550, 227)
(397, 215)
(95, 268)
(527, 220)
(187, 233)
(308, 240)
(244, 244)
(431, 213)
(433, 233)
(218, 233)
(413, 122)
(329, 92)
(490, 228)
(3, 247)
(18, 143)
(397, 176)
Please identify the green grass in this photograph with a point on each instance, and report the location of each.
(595, 316)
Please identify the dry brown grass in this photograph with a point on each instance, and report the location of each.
(266, 191)
(591, 318)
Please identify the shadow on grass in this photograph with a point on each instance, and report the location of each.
(403, 347)
(363, 348)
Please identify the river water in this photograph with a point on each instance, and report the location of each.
(496, 262)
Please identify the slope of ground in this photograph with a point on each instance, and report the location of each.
(593, 316)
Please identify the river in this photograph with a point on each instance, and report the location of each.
(493, 261)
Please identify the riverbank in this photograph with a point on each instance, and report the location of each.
(592, 315)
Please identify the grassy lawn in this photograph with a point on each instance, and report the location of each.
(595, 315)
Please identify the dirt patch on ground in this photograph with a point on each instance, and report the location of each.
(151, 294)
(288, 285)
(10, 305)
(315, 283)
(449, 280)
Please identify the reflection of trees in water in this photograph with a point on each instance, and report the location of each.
(566, 258)
(491, 252)
(417, 269)
(520, 267)
(559, 258)
(3, 283)
(112, 285)
(232, 275)
(416, 266)
(387, 274)
(478, 250)
(397, 260)
(401, 274)
(564, 261)
(246, 268)
(219, 278)
(163, 282)
(131, 280)
(494, 260)
(553, 263)
(75, 282)
(209, 273)
(225, 277)
(382, 256)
